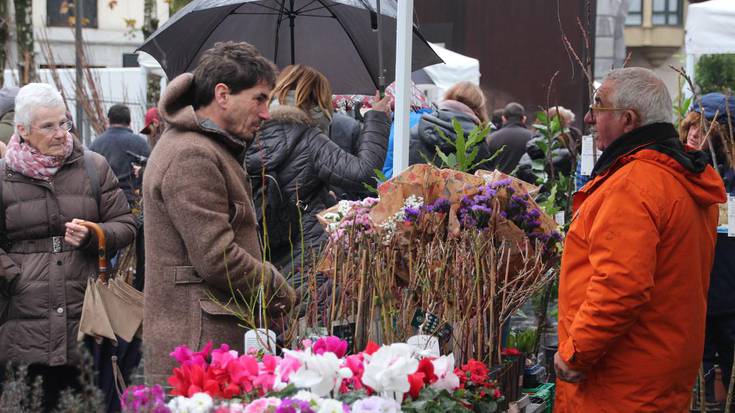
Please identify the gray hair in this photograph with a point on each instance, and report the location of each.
(640, 89)
(565, 114)
(32, 96)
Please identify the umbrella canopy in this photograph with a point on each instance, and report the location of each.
(336, 37)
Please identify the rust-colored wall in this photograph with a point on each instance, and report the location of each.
(518, 43)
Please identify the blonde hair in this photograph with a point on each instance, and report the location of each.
(471, 95)
(311, 88)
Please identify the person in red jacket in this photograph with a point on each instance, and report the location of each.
(637, 258)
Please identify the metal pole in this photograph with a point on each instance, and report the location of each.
(78, 13)
(292, 18)
(404, 37)
(381, 67)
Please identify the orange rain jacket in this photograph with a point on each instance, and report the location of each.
(633, 285)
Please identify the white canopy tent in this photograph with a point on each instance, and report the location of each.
(456, 68)
(710, 29)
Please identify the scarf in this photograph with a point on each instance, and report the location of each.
(27, 160)
(661, 137)
(458, 107)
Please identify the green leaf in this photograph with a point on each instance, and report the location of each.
(538, 165)
(448, 161)
(379, 175)
(542, 144)
(445, 138)
(370, 188)
(472, 155)
(541, 117)
(487, 407)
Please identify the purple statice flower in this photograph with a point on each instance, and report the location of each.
(294, 406)
(440, 205)
(556, 236)
(502, 182)
(481, 209)
(489, 192)
(466, 201)
(504, 214)
(411, 214)
(534, 214)
(468, 221)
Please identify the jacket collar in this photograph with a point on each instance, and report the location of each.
(661, 137)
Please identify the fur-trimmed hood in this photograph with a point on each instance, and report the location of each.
(289, 114)
(278, 137)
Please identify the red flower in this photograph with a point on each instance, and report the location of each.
(371, 348)
(427, 367)
(416, 380)
(423, 376)
(511, 352)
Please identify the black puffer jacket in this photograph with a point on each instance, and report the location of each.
(425, 137)
(561, 159)
(300, 162)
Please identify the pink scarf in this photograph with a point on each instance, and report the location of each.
(27, 160)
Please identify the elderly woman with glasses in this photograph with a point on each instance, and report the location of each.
(48, 184)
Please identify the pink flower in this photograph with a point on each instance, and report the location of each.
(222, 356)
(330, 344)
(264, 405)
(355, 364)
(287, 366)
(243, 370)
(267, 377)
(184, 356)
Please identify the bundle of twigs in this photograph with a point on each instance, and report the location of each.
(472, 283)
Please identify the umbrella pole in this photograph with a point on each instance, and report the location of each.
(381, 68)
(292, 24)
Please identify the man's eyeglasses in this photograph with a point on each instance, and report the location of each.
(50, 130)
(595, 107)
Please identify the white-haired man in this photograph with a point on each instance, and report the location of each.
(637, 258)
(46, 257)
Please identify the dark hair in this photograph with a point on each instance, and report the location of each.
(118, 115)
(239, 65)
(514, 112)
(497, 119)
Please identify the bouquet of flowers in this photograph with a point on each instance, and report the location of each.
(469, 249)
(320, 377)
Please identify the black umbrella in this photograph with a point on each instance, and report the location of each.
(337, 37)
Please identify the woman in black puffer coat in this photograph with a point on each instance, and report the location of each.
(292, 162)
(464, 102)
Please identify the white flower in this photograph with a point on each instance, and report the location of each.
(388, 368)
(375, 404)
(321, 374)
(306, 396)
(413, 201)
(444, 370)
(198, 403)
(330, 406)
(344, 207)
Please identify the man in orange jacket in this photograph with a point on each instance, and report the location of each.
(637, 258)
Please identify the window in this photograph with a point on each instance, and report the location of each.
(635, 13)
(61, 13)
(666, 13)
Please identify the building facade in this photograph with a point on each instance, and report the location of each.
(654, 37)
(111, 29)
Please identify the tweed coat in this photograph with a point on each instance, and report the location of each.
(201, 236)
